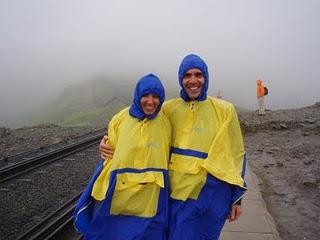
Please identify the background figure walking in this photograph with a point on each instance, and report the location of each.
(260, 97)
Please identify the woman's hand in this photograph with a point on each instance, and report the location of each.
(104, 148)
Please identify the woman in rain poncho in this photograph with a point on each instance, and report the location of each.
(127, 196)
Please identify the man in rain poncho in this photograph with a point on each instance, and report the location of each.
(207, 162)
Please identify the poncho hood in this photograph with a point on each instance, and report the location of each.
(189, 62)
(149, 84)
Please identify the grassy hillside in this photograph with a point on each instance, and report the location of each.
(90, 103)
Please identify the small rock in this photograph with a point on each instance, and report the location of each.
(268, 165)
(5, 158)
(25, 180)
(274, 148)
(4, 190)
(57, 165)
(310, 183)
(279, 164)
(4, 131)
(309, 120)
(56, 140)
(279, 194)
(307, 162)
(283, 125)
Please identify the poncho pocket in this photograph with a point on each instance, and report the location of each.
(187, 177)
(137, 194)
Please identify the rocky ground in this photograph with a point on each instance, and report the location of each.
(14, 141)
(25, 200)
(283, 149)
(284, 152)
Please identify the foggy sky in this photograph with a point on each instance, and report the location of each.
(45, 45)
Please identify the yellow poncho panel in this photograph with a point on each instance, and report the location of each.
(139, 144)
(206, 139)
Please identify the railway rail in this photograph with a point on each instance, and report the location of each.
(17, 169)
(54, 224)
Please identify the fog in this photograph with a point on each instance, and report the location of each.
(46, 45)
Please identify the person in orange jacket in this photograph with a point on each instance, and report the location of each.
(260, 96)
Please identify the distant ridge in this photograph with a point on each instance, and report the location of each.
(89, 103)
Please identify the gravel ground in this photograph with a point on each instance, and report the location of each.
(42, 136)
(287, 164)
(25, 201)
(284, 152)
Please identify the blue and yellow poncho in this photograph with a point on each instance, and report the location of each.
(207, 162)
(127, 197)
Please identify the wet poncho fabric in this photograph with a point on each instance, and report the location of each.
(127, 196)
(207, 163)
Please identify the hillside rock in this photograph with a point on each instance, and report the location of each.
(4, 131)
(306, 118)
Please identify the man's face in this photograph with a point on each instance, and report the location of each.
(193, 82)
(149, 103)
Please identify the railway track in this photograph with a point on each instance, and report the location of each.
(22, 167)
(54, 224)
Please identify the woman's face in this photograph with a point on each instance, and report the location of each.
(149, 103)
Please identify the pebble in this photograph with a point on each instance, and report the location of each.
(309, 120)
(57, 165)
(25, 180)
(279, 164)
(283, 125)
(310, 183)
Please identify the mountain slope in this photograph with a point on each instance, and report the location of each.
(90, 103)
